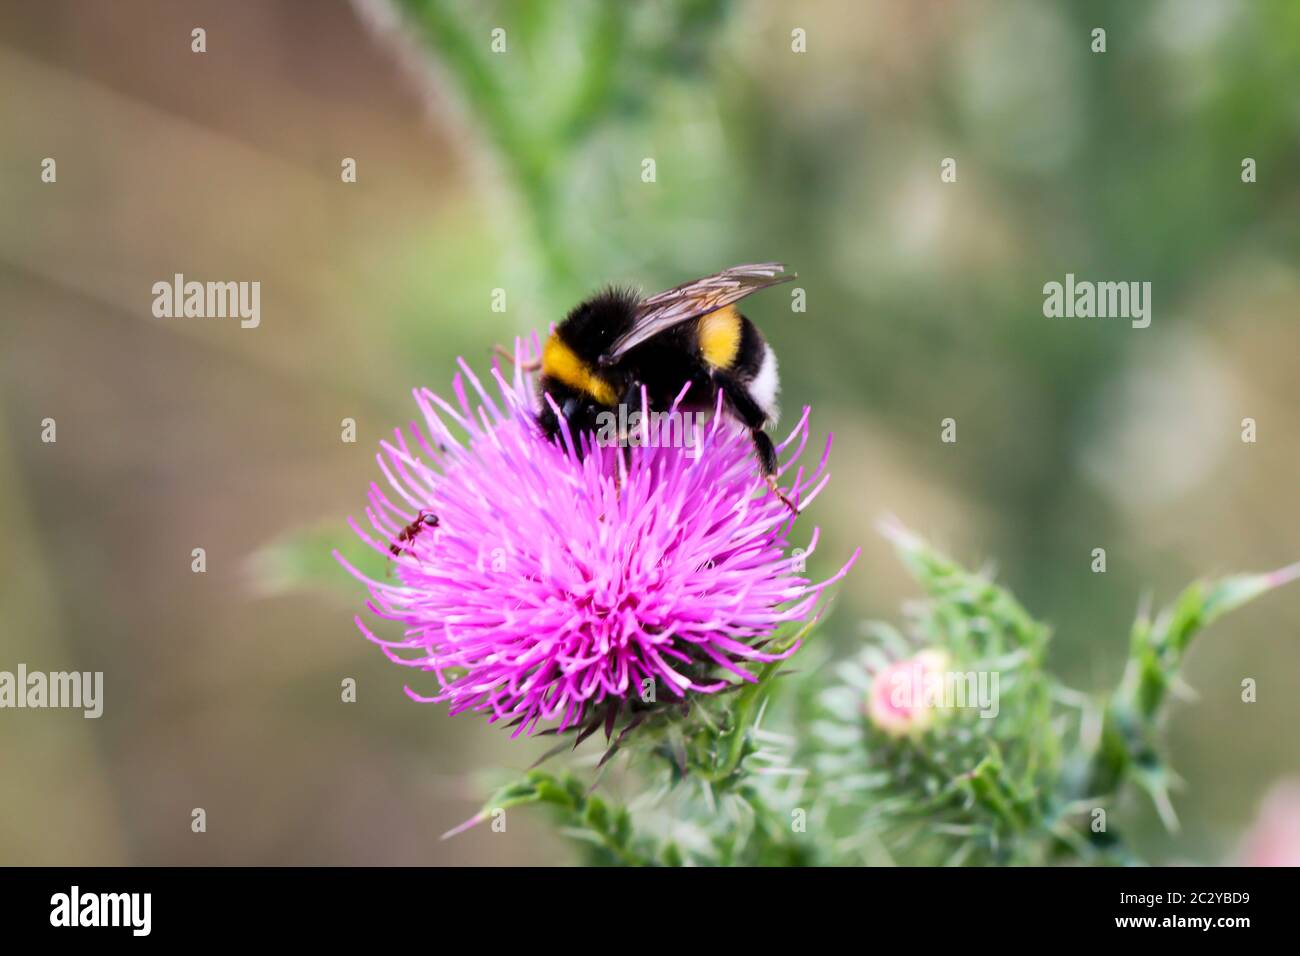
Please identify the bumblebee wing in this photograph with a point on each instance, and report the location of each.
(698, 297)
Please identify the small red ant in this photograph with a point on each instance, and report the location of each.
(425, 519)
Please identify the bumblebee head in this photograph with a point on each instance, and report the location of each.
(593, 326)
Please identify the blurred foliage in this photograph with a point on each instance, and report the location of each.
(1129, 747)
(1027, 785)
(309, 558)
(974, 789)
(567, 75)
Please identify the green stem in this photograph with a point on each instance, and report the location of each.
(528, 159)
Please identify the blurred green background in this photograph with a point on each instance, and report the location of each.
(523, 171)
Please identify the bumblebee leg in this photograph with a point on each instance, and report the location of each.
(766, 453)
(532, 365)
(753, 418)
(630, 401)
(548, 422)
(767, 464)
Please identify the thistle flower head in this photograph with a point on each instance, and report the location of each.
(565, 578)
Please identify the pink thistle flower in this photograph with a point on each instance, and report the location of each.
(901, 701)
(559, 587)
(1274, 838)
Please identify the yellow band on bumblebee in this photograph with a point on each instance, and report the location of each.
(563, 364)
(719, 336)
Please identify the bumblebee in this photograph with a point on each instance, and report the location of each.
(616, 343)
